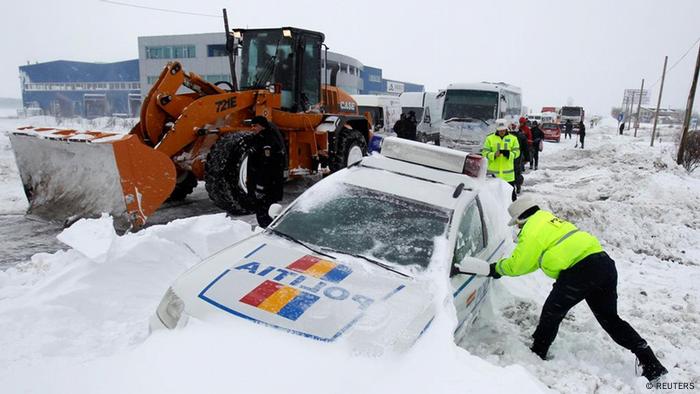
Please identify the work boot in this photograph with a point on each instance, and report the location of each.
(651, 366)
(540, 351)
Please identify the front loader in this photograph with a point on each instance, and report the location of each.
(200, 134)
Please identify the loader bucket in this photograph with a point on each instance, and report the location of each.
(68, 175)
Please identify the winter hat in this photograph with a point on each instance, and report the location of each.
(261, 120)
(519, 207)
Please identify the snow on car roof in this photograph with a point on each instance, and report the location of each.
(417, 188)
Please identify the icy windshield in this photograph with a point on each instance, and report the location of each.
(360, 221)
(477, 104)
(571, 111)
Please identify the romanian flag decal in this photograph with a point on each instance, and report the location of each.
(321, 269)
(279, 299)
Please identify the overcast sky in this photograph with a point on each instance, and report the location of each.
(587, 51)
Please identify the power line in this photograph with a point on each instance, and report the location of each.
(677, 61)
(159, 9)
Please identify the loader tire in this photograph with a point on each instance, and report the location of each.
(350, 144)
(225, 166)
(186, 183)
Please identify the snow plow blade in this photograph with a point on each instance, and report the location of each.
(69, 175)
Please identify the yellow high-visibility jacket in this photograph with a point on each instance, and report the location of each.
(502, 167)
(549, 243)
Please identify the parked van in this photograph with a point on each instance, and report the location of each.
(425, 106)
(385, 110)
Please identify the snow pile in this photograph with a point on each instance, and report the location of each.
(76, 321)
(645, 210)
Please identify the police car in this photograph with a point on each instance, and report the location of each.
(353, 257)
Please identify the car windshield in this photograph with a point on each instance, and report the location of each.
(476, 104)
(550, 126)
(571, 111)
(359, 221)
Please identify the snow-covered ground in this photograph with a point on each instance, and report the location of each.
(75, 320)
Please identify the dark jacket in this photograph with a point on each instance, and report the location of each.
(522, 140)
(268, 160)
(400, 128)
(537, 135)
(568, 127)
(581, 129)
(410, 126)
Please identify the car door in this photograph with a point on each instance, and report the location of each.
(471, 240)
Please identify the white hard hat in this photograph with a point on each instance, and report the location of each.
(501, 124)
(519, 206)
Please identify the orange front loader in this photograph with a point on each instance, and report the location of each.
(201, 134)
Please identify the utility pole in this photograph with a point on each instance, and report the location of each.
(688, 111)
(658, 103)
(639, 107)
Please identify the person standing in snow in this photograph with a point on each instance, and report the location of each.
(568, 128)
(400, 126)
(582, 270)
(581, 133)
(622, 127)
(410, 126)
(520, 160)
(537, 140)
(266, 169)
(501, 149)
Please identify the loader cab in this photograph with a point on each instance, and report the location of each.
(289, 57)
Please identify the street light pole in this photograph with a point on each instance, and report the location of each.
(639, 107)
(658, 103)
(688, 111)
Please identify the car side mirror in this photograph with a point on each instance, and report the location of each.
(274, 210)
(473, 265)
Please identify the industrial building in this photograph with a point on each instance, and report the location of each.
(205, 54)
(67, 88)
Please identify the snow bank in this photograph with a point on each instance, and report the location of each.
(76, 321)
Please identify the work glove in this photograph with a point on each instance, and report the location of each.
(492, 271)
(505, 153)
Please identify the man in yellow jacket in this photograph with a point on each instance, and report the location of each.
(501, 149)
(582, 270)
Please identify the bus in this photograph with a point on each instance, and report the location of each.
(469, 110)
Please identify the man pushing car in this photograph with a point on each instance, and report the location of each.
(582, 270)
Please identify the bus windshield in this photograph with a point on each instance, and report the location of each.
(571, 111)
(477, 104)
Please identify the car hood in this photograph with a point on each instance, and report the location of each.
(269, 280)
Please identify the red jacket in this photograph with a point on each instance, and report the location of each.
(526, 130)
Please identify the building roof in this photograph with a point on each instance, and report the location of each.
(70, 71)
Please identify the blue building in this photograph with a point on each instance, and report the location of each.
(90, 90)
(374, 83)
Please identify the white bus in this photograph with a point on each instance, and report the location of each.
(424, 105)
(469, 110)
(385, 110)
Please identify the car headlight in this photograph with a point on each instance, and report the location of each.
(170, 309)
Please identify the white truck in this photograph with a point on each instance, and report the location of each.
(425, 107)
(385, 110)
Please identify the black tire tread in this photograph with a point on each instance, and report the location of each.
(221, 173)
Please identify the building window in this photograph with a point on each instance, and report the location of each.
(216, 50)
(171, 52)
(374, 78)
(151, 79)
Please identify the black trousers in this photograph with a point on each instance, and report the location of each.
(581, 138)
(593, 279)
(535, 155)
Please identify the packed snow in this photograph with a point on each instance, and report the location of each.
(76, 320)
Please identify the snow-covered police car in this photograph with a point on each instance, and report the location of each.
(354, 256)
